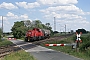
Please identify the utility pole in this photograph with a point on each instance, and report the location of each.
(54, 24)
(2, 26)
(65, 29)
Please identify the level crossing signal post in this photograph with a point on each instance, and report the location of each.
(78, 40)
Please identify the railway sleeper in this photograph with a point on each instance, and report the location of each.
(4, 54)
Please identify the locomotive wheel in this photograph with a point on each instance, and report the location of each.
(34, 38)
(40, 38)
(43, 37)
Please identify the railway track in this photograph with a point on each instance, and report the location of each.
(55, 38)
(5, 50)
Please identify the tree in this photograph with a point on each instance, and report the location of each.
(48, 26)
(28, 24)
(81, 30)
(37, 24)
(19, 29)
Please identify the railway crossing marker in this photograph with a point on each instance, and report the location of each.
(78, 37)
(78, 40)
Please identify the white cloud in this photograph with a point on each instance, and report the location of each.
(16, 17)
(8, 6)
(64, 16)
(88, 13)
(70, 12)
(65, 11)
(38, 3)
(75, 24)
(11, 16)
(25, 16)
(28, 5)
(0, 17)
(71, 9)
(57, 2)
(0, 25)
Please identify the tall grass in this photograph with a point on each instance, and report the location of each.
(19, 55)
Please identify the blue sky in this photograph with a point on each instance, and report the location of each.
(74, 14)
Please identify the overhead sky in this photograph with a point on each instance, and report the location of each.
(74, 14)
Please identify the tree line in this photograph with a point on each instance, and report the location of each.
(20, 28)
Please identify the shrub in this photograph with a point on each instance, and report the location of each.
(74, 38)
(84, 46)
(86, 43)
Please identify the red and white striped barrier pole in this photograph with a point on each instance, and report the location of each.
(58, 44)
(55, 44)
(11, 38)
(73, 45)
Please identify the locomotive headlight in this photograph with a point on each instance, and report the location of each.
(29, 32)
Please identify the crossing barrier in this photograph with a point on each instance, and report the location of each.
(73, 45)
(11, 38)
(56, 44)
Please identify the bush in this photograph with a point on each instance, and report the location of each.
(84, 46)
(74, 38)
(5, 43)
(86, 43)
(55, 32)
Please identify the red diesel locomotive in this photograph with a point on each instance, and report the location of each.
(37, 34)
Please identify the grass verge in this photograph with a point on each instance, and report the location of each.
(68, 49)
(19, 55)
(5, 43)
